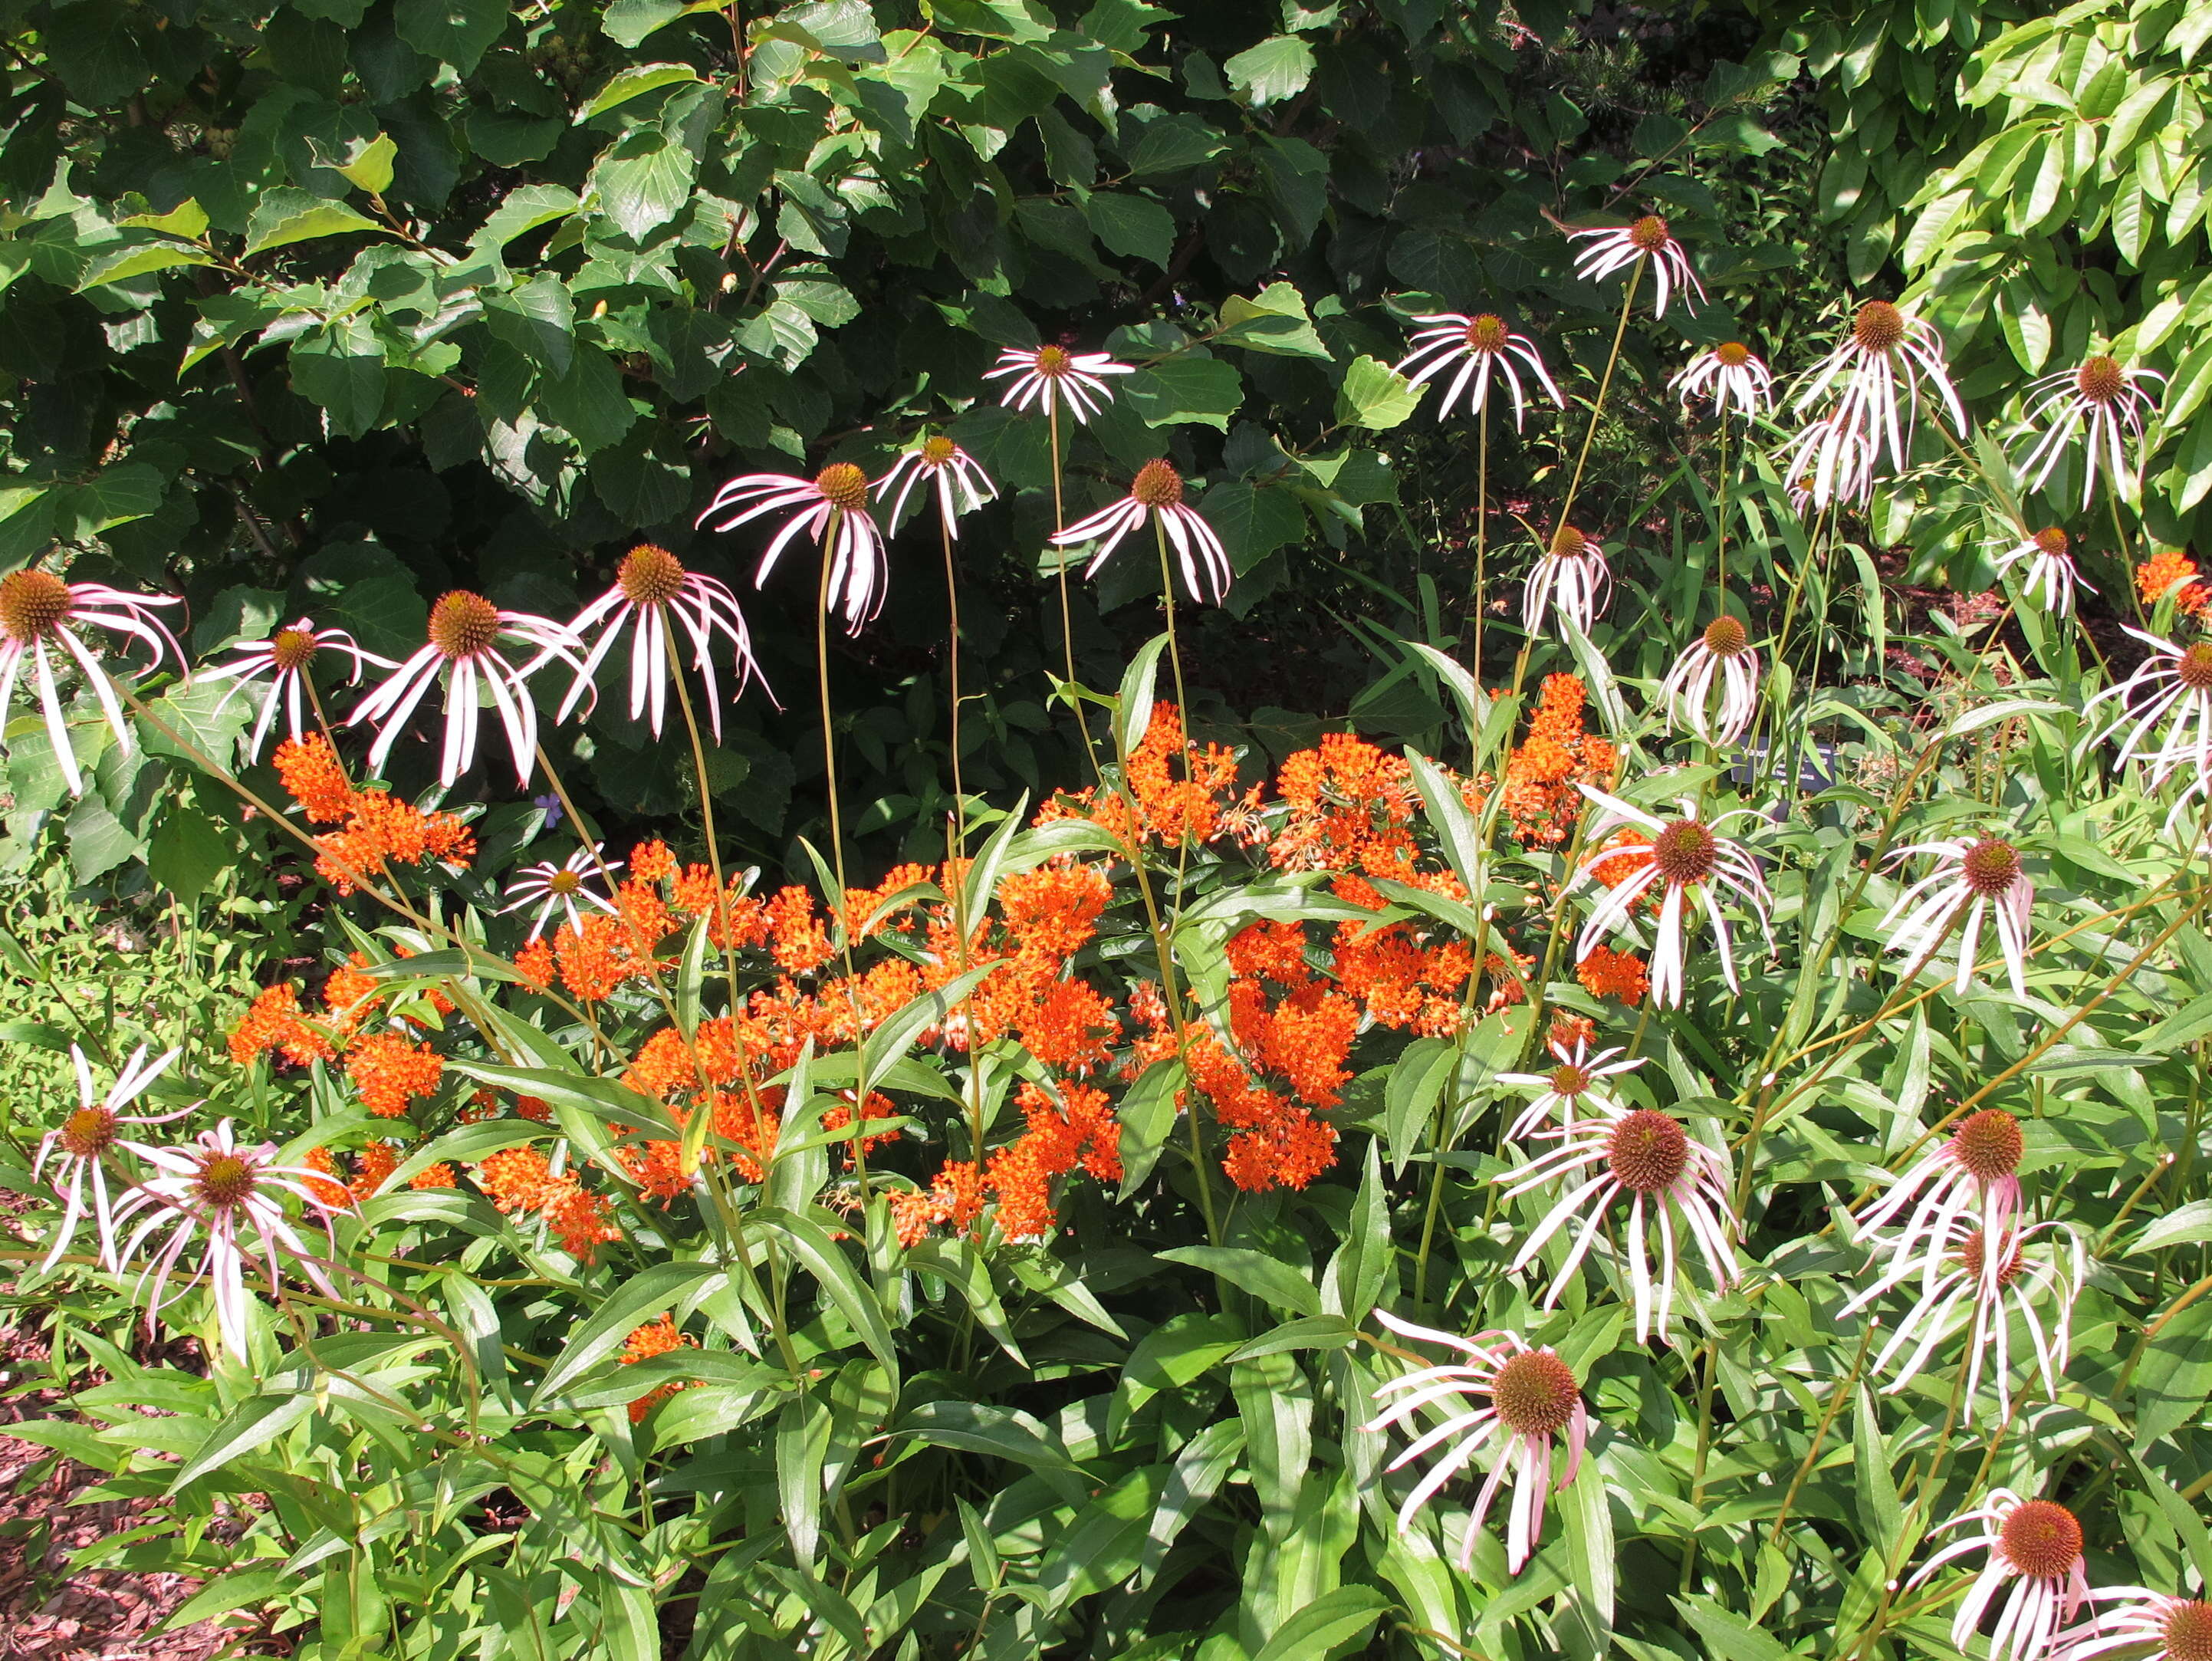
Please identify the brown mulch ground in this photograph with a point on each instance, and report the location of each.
(49, 1614)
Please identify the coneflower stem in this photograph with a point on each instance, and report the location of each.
(1605, 381)
(1199, 1170)
(952, 681)
(1720, 527)
(1481, 596)
(837, 915)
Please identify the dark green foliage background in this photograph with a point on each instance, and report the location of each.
(567, 314)
(330, 306)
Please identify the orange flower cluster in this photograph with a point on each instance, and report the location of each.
(1183, 792)
(1609, 974)
(1285, 1020)
(655, 1338)
(2162, 571)
(375, 828)
(275, 1023)
(1350, 809)
(1541, 802)
(386, 1068)
(658, 1167)
(1078, 1128)
(520, 1180)
(389, 1072)
(372, 1168)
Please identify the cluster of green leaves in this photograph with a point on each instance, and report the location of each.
(2038, 176)
(327, 307)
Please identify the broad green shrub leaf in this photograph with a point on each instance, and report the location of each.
(1273, 71)
(285, 216)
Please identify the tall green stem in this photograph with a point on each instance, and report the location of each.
(837, 860)
(1201, 1172)
(1605, 381)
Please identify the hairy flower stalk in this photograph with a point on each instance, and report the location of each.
(654, 596)
(287, 659)
(2034, 1548)
(41, 619)
(960, 485)
(1505, 1390)
(464, 649)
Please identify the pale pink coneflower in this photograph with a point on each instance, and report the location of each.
(1859, 381)
(465, 635)
(229, 1192)
(1667, 1173)
(1569, 576)
(1503, 1385)
(1478, 345)
(1722, 648)
(560, 887)
(1976, 876)
(2172, 685)
(2103, 402)
(831, 505)
(1729, 376)
(652, 590)
(1578, 1081)
(2036, 1545)
(1986, 1287)
(1609, 248)
(1974, 1174)
(1156, 494)
(79, 1147)
(2166, 1627)
(1051, 378)
(286, 657)
(40, 611)
(961, 485)
(1684, 857)
(1828, 462)
(2049, 556)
